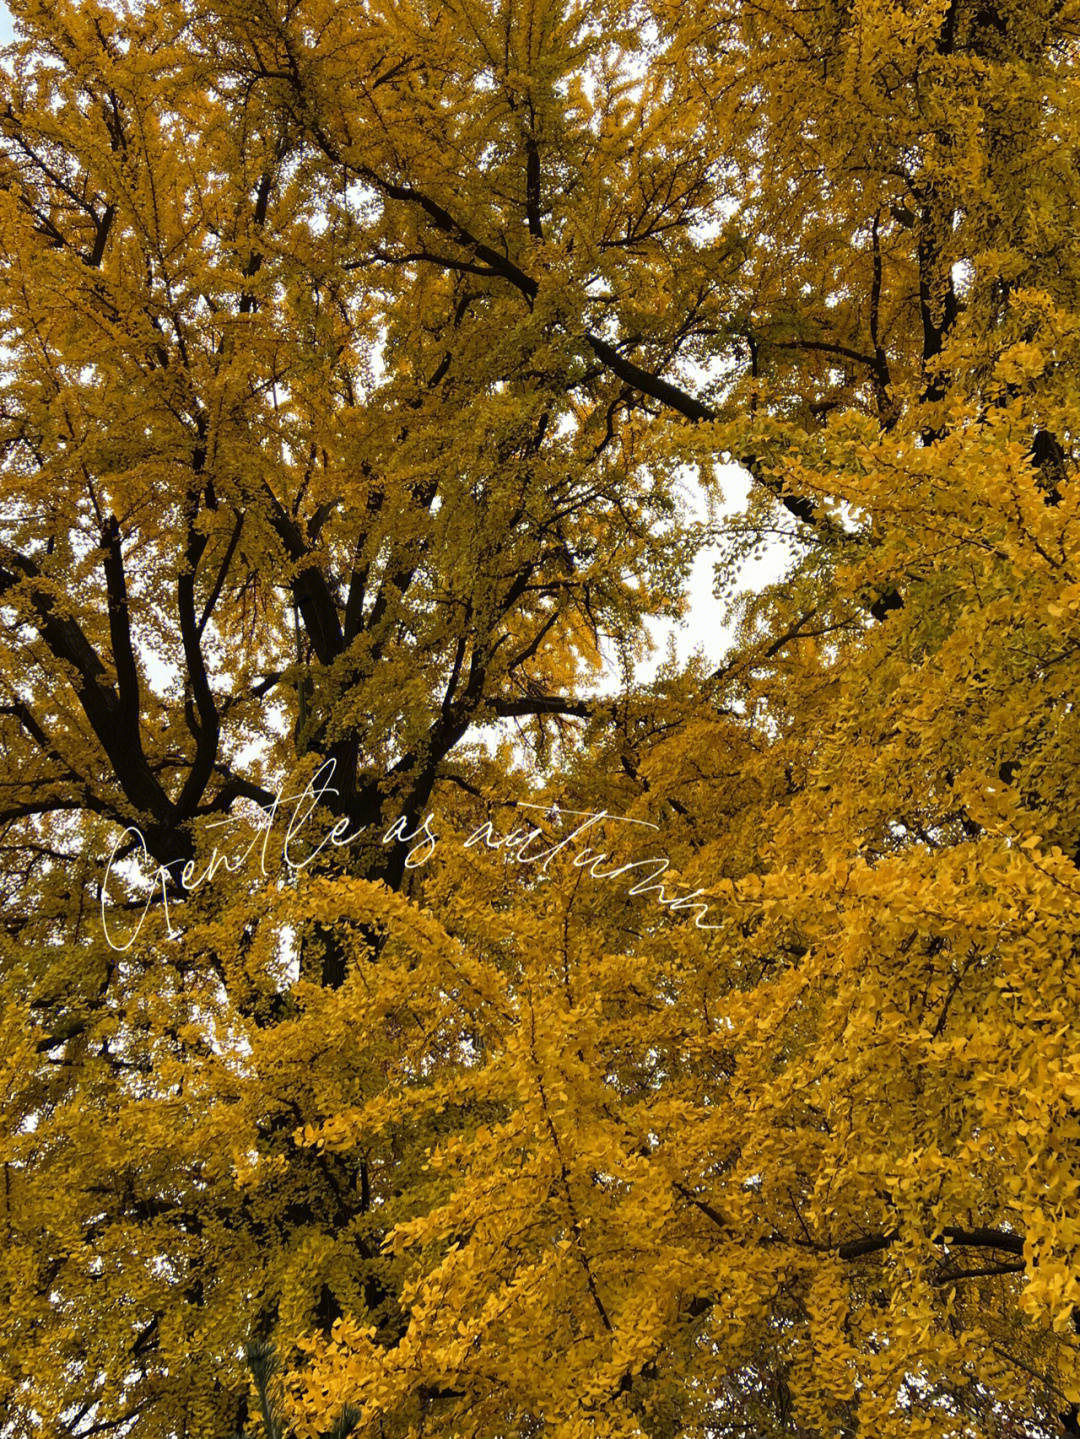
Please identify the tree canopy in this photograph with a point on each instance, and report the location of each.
(700, 1057)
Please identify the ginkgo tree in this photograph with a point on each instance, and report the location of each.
(706, 1063)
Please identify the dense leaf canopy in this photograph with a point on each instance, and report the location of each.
(697, 1057)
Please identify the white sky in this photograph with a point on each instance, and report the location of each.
(703, 627)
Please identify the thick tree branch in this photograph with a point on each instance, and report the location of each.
(110, 719)
(955, 1238)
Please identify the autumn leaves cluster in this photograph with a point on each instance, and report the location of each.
(354, 357)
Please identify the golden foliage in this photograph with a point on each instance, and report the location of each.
(354, 354)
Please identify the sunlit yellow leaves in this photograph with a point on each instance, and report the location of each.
(388, 336)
